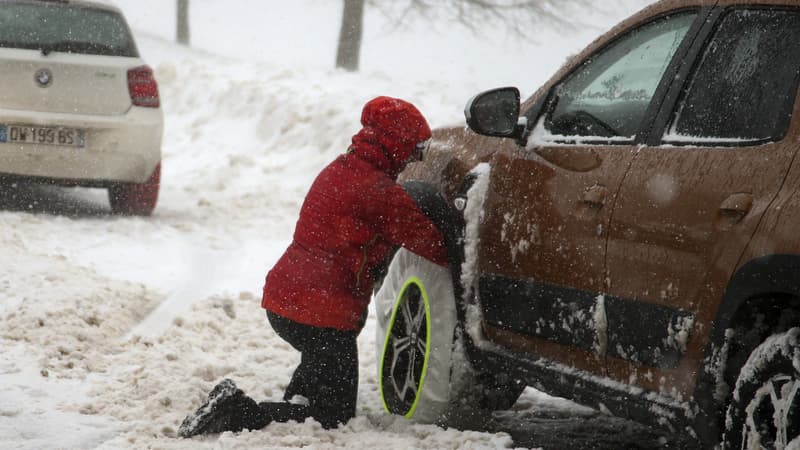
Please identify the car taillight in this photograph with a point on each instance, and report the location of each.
(143, 87)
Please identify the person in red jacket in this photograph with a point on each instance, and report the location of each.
(316, 295)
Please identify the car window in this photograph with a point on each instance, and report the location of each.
(608, 95)
(64, 28)
(745, 84)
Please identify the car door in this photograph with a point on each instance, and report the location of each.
(549, 203)
(690, 203)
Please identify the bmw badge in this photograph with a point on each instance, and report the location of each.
(43, 77)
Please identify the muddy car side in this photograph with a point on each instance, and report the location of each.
(635, 241)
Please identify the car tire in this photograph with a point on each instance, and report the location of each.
(765, 409)
(137, 199)
(423, 370)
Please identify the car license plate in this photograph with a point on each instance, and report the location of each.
(34, 134)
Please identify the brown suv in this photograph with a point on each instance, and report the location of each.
(628, 237)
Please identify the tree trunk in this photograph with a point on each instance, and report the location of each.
(182, 33)
(350, 35)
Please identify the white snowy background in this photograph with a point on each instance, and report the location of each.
(112, 328)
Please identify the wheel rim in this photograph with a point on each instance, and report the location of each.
(773, 416)
(406, 350)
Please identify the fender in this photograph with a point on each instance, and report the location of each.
(770, 274)
(448, 219)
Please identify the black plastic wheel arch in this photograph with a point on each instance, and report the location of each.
(777, 274)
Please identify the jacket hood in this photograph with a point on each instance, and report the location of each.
(391, 129)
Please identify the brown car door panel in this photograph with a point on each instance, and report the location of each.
(550, 203)
(686, 211)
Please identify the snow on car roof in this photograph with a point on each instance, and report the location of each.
(79, 3)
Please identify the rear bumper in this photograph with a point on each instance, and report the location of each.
(124, 148)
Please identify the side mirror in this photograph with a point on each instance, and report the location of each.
(495, 113)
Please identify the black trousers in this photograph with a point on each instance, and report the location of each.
(327, 376)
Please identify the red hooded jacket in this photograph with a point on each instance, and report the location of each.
(352, 218)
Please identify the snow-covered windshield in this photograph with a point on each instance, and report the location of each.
(64, 28)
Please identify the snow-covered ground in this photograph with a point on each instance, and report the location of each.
(112, 329)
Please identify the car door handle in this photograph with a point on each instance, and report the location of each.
(595, 196)
(733, 209)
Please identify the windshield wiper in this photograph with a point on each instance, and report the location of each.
(89, 48)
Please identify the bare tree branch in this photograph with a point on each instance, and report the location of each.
(518, 16)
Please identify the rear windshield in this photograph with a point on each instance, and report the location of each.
(52, 27)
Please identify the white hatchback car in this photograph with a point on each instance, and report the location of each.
(78, 105)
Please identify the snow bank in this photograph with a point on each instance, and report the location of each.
(113, 329)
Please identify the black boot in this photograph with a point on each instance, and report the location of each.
(221, 412)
